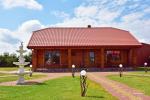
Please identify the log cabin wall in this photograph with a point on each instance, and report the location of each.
(97, 58)
(86, 56)
(76, 58)
(124, 58)
(132, 57)
(143, 54)
(40, 58)
(63, 58)
(81, 58)
(34, 59)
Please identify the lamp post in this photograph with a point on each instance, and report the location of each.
(120, 70)
(30, 70)
(145, 65)
(73, 70)
(83, 78)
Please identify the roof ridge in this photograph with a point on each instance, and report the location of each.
(53, 27)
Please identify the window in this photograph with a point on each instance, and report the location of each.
(52, 57)
(113, 55)
(92, 57)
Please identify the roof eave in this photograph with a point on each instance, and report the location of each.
(34, 47)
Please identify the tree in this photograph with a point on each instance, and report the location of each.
(7, 59)
(28, 57)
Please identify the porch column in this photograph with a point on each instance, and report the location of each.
(69, 58)
(102, 58)
(132, 57)
(34, 60)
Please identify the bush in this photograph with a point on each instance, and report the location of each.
(7, 59)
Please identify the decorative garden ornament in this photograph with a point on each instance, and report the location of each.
(21, 65)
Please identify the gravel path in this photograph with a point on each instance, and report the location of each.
(119, 90)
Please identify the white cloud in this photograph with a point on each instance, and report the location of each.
(132, 17)
(106, 15)
(7, 47)
(103, 13)
(76, 22)
(30, 4)
(60, 14)
(2, 32)
(139, 28)
(23, 33)
(100, 13)
(30, 26)
(24, 30)
(121, 2)
(147, 10)
(86, 11)
(134, 6)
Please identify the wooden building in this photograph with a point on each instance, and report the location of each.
(143, 54)
(89, 47)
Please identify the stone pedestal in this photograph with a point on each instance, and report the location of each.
(21, 75)
(20, 81)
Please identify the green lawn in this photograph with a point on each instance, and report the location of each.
(66, 88)
(5, 77)
(141, 83)
(9, 77)
(11, 68)
(139, 73)
(143, 68)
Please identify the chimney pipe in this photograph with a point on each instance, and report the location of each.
(89, 26)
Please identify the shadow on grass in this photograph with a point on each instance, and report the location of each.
(95, 96)
(33, 83)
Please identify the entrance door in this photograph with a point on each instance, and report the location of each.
(77, 58)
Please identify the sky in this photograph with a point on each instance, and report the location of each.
(19, 18)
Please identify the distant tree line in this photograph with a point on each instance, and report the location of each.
(6, 59)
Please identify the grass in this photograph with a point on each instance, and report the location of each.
(139, 73)
(8, 77)
(141, 83)
(143, 68)
(11, 68)
(66, 88)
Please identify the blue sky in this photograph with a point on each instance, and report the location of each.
(18, 18)
(12, 17)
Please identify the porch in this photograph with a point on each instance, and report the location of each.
(89, 58)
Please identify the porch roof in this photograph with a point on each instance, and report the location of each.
(94, 36)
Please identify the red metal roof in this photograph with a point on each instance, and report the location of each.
(95, 36)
